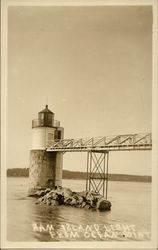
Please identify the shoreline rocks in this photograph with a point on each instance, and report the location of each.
(65, 196)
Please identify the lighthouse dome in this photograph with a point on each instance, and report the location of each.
(46, 110)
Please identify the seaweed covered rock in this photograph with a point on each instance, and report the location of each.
(103, 204)
(65, 196)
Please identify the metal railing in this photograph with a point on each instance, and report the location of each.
(109, 143)
(40, 123)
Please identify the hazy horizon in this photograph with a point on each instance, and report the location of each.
(77, 171)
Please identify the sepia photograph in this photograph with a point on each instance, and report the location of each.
(79, 161)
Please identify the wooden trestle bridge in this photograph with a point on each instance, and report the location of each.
(98, 149)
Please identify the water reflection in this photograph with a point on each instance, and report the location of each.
(54, 223)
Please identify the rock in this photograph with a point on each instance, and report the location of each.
(47, 190)
(89, 198)
(103, 204)
(48, 202)
(41, 199)
(83, 194)
(73, 202)
(87, 207)
(78, 198)
(93, 204)
(59, 196)
(60, 199)
(39, 193)
(66, 192)
(44, 201)
(52, 194)
(68, 200)
(83, 204)
(54, 203)
(31, 194)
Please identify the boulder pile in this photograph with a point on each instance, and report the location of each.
(65, 196)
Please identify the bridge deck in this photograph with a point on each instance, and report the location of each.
(106, 143)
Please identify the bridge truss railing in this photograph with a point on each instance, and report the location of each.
(119, 142)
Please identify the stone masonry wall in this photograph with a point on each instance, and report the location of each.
(42, 170)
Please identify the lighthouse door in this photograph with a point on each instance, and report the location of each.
(49, 138)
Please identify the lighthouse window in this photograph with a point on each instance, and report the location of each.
(50, 136)
(41, 116)
(57, 134)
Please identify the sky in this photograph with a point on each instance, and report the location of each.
(92, 65)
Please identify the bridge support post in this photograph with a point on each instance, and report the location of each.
(97, 172)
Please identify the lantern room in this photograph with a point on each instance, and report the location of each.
(45, 119)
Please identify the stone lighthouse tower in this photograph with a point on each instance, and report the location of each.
(45, 167)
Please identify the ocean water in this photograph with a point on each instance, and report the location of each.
(128, 220)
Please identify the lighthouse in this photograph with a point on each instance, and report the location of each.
(45, 170)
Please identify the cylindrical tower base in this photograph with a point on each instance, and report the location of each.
(45, 170)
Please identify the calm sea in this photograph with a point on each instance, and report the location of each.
(129, 218)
